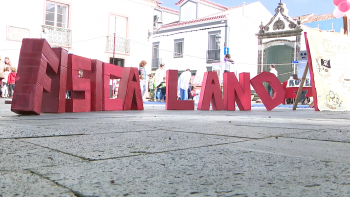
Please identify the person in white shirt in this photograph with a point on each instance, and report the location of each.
(228, 63)
(4, 83)
(158, 79)
(275, 72)
(184, 83)
(142, 83)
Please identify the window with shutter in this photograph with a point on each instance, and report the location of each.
(178, 47)
(56, 14)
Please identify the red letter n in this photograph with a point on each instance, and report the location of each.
(235, 91)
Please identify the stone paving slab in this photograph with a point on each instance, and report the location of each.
(208, 171)
(229, 129)
(41, 128)
(24, 183)
(320, 150)
(115, 145)
(337, 135)
(16, 154)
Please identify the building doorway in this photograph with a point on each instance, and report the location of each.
(117, 61)
(282, 57)
(114, 83)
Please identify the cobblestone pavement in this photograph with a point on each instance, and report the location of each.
(175, 153)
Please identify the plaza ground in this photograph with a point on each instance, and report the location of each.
(175, 153)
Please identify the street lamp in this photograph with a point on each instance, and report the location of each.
(218, 39)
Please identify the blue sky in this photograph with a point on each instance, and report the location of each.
(295, 7)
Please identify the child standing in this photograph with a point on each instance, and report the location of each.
(151, 87)
(11, 80)
(192, 93)
(162, 87)
(5, 88)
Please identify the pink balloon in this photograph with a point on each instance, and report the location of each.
(344, 6)
(336, 2)
(337, 13)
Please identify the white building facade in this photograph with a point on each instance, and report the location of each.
(191, 42)
(85, 28)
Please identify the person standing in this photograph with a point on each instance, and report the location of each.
(142, 71)
(5, 88)
(275, 72)
(8, 63)
(11, 80)
(151, 87)
(142, 83)
(183, 84)
(2, 69)
(158, 79)
(228, 63)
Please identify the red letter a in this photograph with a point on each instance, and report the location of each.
(210, 92)
(278, 98)
(36, 59)
(171, 94)
(240, 90)
(130, 90)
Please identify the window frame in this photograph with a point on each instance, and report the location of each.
(111, 14)
(210, 34)
(160, 18)
(58, 2)
(182, 40)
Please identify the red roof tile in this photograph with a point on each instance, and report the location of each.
(176, 24)
(168, 9)
(314, 18)
(238, 6)
(303, 17)
(322, 17)
(208, 2)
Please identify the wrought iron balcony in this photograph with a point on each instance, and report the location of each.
(213, 55)
(57, 36)
(156, 63)
(122, 45)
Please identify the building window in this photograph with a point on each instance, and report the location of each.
(56, 14)
(188, 11)
(213, 52)
(117, 61)
(157, 18)
(118, 25)
(178, 47)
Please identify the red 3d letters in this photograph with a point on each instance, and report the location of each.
(257, 83)
(36, 60)
(96, 85)
(111, 71)
(55, 100)
(235, 91)
(210, 93)
(129, 90)
(46, 74)
(171, 94)
(78, 83)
